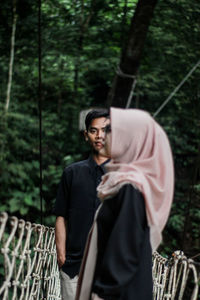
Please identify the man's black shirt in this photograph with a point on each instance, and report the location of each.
(77, 202)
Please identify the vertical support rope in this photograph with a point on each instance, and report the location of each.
(40, 107)
(42, 280)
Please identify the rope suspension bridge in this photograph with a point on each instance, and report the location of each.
(28, 261)
(29, 270)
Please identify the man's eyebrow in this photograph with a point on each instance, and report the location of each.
(92, 128)
(97, 128)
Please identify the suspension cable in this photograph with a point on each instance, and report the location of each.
(120, 73)
(176, 89)
(40, 106)
(43, 292)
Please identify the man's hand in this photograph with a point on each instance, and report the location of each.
(61, 260)
(60, 236)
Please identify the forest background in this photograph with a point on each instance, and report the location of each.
(82, 42)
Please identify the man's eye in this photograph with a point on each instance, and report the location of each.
(92, 131)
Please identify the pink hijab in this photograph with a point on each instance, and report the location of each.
(141, 155)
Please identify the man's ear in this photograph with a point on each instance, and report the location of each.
(86, 135)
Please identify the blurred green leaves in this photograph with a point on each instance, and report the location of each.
(78, 68)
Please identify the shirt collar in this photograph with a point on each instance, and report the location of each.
(93, 164)
(103, 165)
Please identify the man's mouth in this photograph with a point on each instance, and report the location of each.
(99, 144)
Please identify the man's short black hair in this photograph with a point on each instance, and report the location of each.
(94, 114)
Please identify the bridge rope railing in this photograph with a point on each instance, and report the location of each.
(175, 278)
(28, 262)
(29, 270)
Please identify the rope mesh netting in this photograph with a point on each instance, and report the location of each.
(29, 271)
(28, 263)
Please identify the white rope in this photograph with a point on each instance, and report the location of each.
(171, 277)
(124, 75)
(176, 89)
(120, 73)
(131, 93)
(28, 256)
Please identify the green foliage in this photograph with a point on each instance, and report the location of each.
(172, 49)
(81, 47)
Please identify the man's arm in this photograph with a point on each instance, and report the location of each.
(60, 237)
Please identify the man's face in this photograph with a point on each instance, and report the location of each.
(96, 133)
(106, 150)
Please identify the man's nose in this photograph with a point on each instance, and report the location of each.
(100, 134)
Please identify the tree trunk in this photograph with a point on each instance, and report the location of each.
(125, 8)
(12, 48)
(84, 23)
(131, 55)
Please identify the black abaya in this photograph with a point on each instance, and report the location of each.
(124, 261)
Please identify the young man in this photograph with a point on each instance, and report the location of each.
(77, 202)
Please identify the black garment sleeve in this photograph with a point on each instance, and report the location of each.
(120, 259)
(63, 194)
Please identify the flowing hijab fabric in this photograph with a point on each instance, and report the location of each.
(141, 155)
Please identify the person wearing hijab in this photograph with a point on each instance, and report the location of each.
(136, 194)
